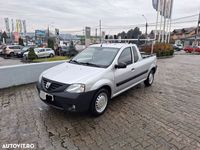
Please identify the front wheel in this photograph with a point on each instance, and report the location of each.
(100, 102)
(150, 79)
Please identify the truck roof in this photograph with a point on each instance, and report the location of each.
(112, 45)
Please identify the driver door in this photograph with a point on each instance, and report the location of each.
(123, 76)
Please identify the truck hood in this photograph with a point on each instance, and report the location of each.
(71, 73)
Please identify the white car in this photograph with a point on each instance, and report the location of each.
(12, 50)
(90, 79)
(41, 52)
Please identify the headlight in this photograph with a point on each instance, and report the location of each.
(76, 88)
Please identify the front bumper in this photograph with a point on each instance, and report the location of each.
(75, 102)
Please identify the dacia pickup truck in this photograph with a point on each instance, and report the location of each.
(95, 76)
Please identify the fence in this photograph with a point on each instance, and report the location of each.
(23, 74)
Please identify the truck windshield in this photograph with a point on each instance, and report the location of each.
(96, 56)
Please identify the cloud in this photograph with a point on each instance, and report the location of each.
(76, 14)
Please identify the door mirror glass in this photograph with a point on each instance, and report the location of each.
(121, 65)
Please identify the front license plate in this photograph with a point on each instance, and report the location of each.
(44, 95)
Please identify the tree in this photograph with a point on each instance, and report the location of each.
(110, 37)
(4, 36)
(134, 33)
(31, 54)
(106, 37)
(50, 43)
(131, 34)
(122, 35)
(21, 41)
(141, 37)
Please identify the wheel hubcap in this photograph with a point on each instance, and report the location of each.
(101, 102)
(150, 78)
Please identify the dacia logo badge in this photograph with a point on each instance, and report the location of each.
(48, 84)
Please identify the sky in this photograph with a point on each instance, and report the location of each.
(73, 15)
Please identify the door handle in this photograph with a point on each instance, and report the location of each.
(132, 69)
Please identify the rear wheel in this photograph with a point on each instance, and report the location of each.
(150, 79)
(51, 55)
(12, 54)
(100, 102)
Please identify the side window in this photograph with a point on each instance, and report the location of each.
(136, 57)
(42, 50)
(12, 47)
(126, 56)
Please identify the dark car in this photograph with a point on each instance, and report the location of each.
(25, 49)
(65, 51)
(177, 47)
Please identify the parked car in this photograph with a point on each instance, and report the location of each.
(25, 49)
(41, 53)
(93, 77)
(196, 49)
(190, 49)
(12, 50)
(1, 49)
(65, 51)
(178, 47)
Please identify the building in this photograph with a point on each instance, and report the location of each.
(186, 35)
(179, 34)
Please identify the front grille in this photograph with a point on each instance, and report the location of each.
(53, 86)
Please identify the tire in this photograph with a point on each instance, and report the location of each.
(51, 55)
(102, 97)
(150, 79)
(12, 54)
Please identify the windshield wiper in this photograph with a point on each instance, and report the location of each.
(85, 63)
(91, 64)
(74, 61)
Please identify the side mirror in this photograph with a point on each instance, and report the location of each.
(120, 65)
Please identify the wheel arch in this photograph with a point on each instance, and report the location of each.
(153, 68)
(105, 83)
(107, 87)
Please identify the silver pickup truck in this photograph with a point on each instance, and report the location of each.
(93, 77)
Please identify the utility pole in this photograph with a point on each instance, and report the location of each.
(48, 31)
(100, 30)
(84, 37)
(146, 27)
(96, 34)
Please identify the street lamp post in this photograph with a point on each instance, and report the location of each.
(145, 25)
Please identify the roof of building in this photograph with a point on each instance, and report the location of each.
(184, 30)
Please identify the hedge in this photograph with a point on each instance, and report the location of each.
(160, 49)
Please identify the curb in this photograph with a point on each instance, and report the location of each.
(165, 57)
